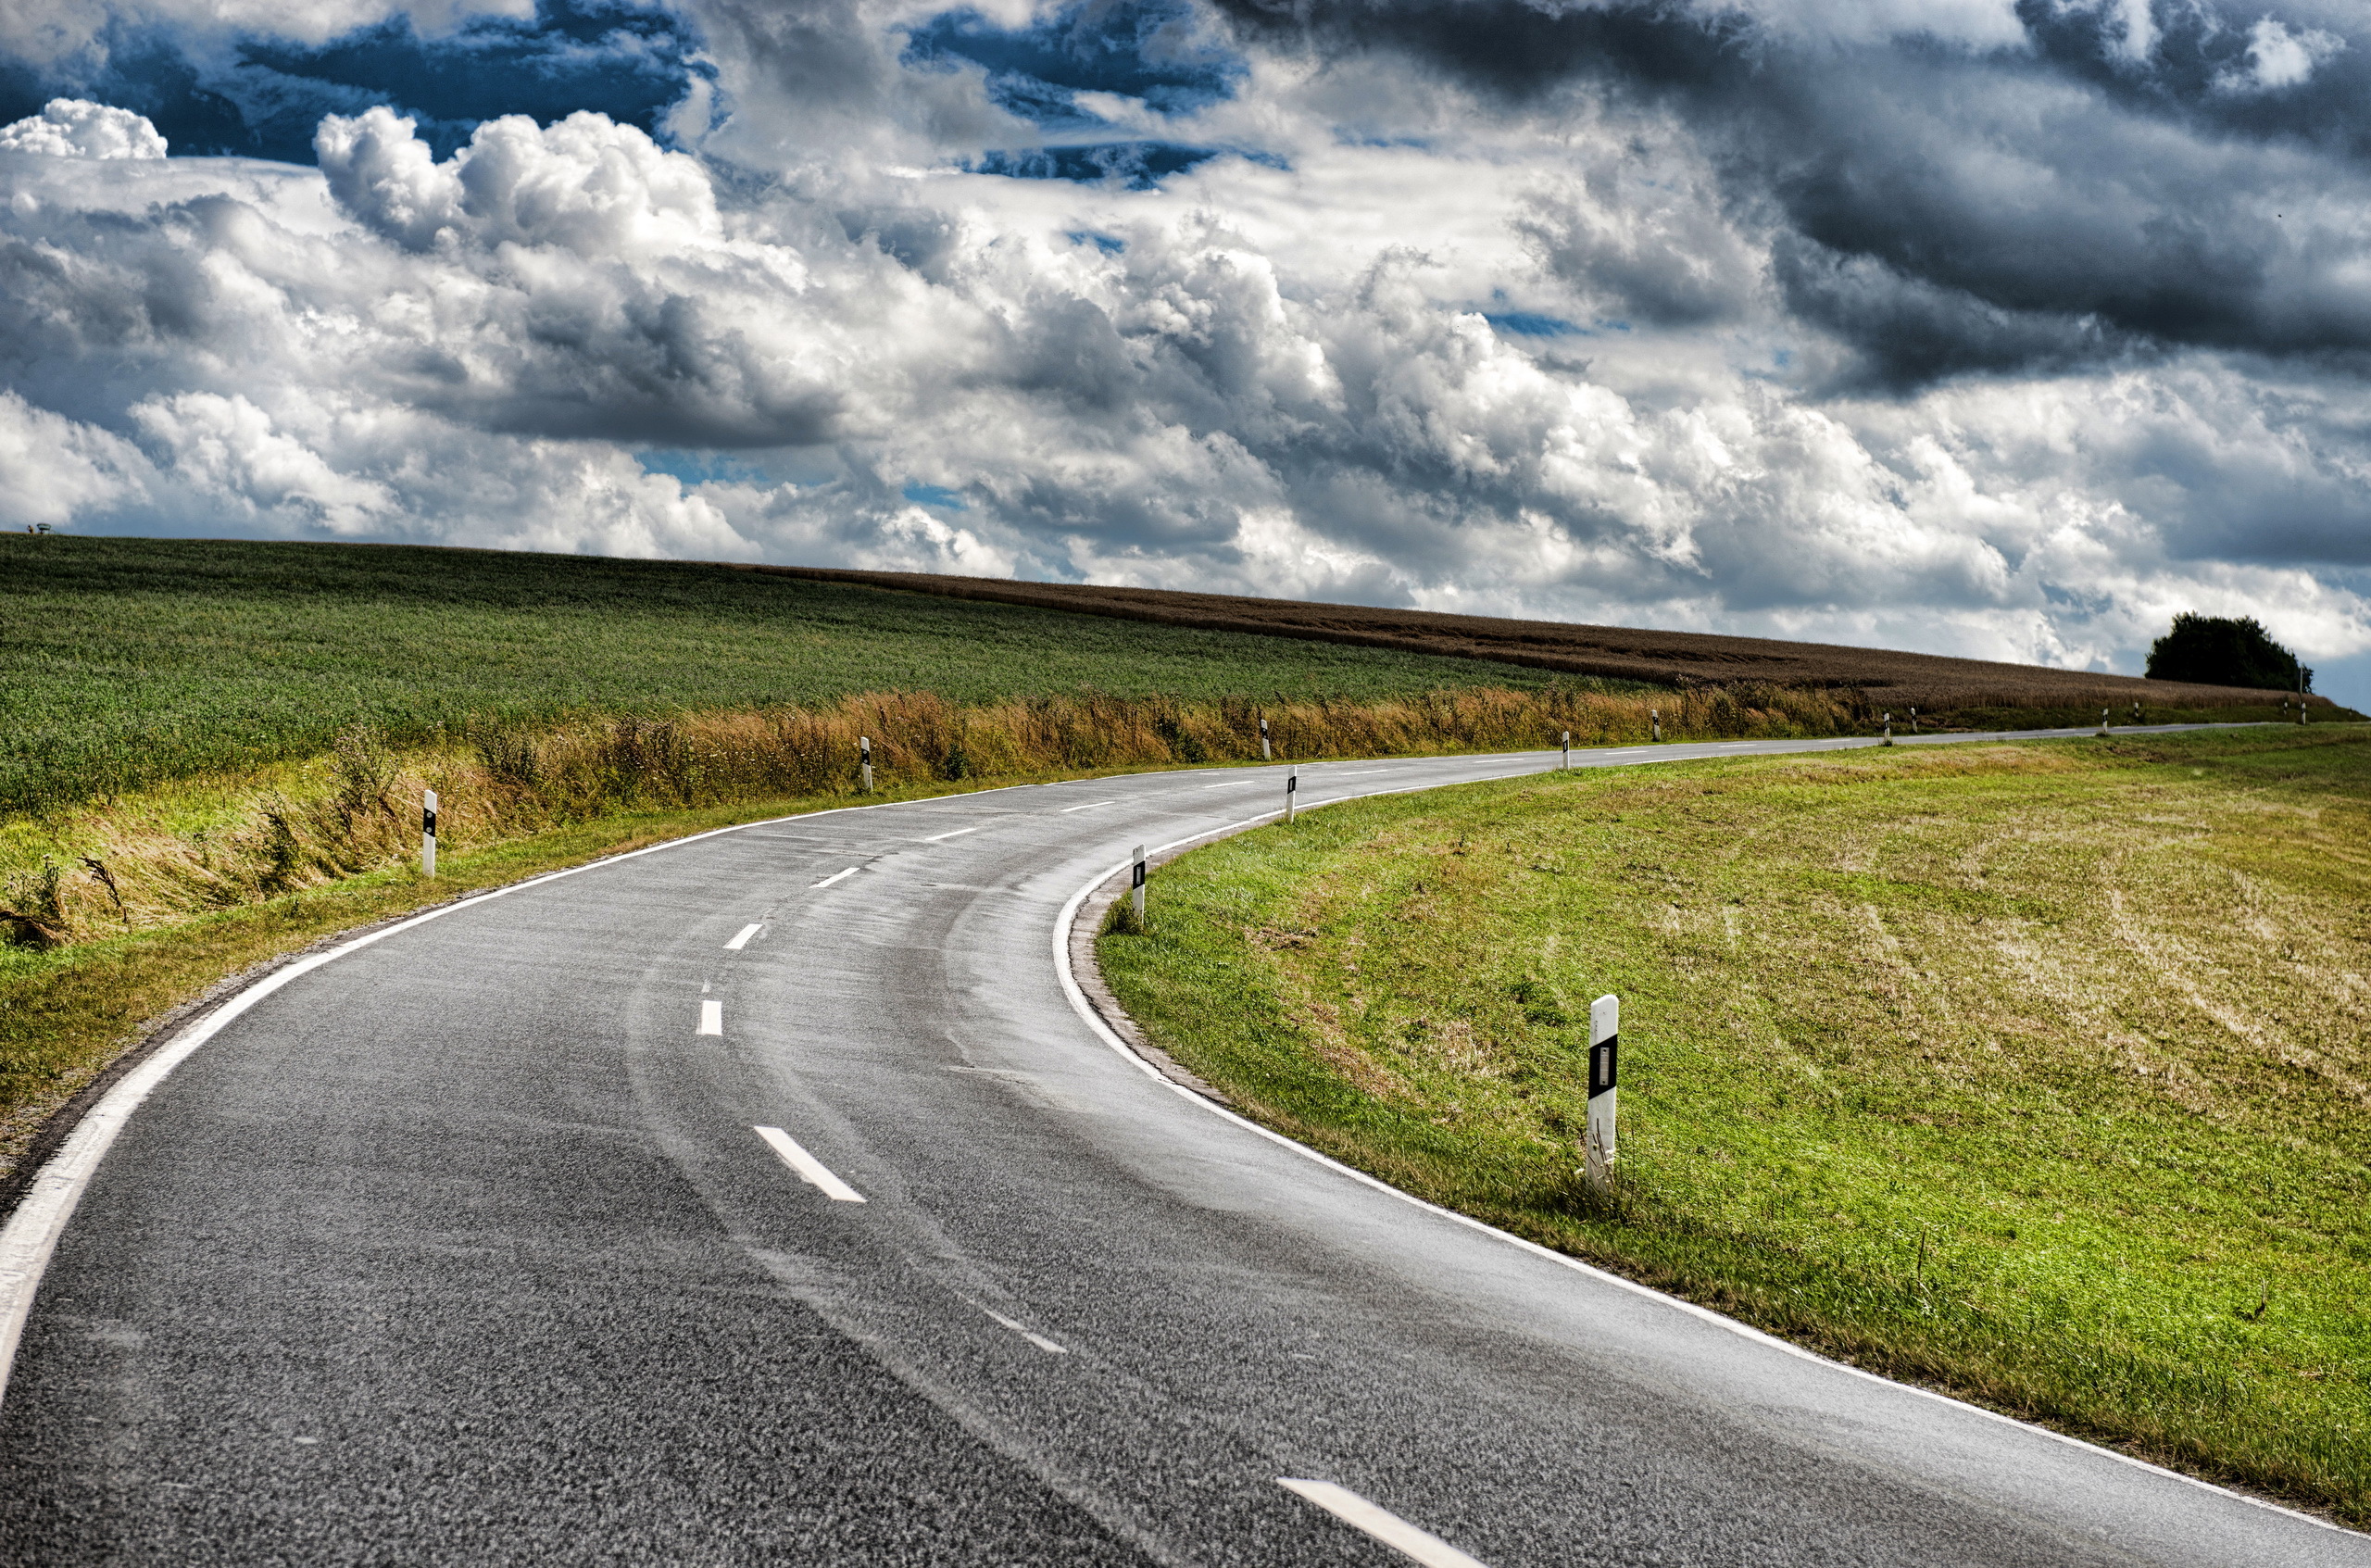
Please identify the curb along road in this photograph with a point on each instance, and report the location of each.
(474, 1212)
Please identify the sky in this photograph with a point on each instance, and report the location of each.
(2005, 328)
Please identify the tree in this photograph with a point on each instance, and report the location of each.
(2212, 651)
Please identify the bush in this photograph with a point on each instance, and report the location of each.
(2209, 650)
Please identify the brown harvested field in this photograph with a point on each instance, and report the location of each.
(1879, 677)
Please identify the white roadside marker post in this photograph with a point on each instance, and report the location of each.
(1889, 727)
(1568, 751)
(428, 833)
(1265, 755)
(1605, 1050)
(1292, 787)
(1656, 714)
(1137, 886)
(2104, 723)
(1914, 720)
(864, 764)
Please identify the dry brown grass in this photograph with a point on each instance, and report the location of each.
(1867, 679)
(132, 864)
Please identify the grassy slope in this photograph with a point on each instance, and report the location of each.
(2042, 1072)
(126, 662)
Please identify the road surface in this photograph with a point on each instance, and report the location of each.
(585, 1223)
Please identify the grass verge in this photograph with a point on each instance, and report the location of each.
(2037, 1072)
(68, 1012)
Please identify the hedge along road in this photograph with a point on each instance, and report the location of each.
(583, 1223)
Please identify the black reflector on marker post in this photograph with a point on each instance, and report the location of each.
(1292, 787)
(1605, 1060)
(428, 833)
(1136, 882)
(1265, 755)
(864, 763)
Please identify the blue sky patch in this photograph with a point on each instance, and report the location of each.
(1525, 323)
(624, 60)
(703, 468)
(1151, 50)
(935, 496)
(1140, 166)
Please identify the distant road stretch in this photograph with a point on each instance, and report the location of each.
(765, 1197)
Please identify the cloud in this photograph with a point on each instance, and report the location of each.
(53, 469)
(2278, 59)
(257, 80)
(73, 127)
(1992, 329)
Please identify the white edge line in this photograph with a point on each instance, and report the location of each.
(813, 1171)
(836, 876)
(1037, 1340)
(1069, 917)
(1088, 807)
(31, 1233)
(1380, 1523)
(941, 837)
(741, 940)
(711, 1017)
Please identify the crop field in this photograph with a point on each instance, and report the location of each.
(2038, 1073)
(127, 663)
(1984, 693)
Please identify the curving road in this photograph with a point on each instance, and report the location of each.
(466, 1248)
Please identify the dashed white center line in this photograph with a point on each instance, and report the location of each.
(941, 837)
(711, 1017)
(838, 876)
(1232, 784)
(1088, 807)
(1380, 1523)
(741, 940)
(810, 1170)
(1037, 1340)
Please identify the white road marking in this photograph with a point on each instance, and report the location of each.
(1037, 1340)
(838, 876)
(1358, 773)
(1232, 784)
(742, 940)
(711, 1017)
(1380, 1523)
(1088, 807)
(812, 1170)
(938, 838)
(1102, 1031)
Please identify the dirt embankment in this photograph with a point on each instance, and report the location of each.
(1683, 658)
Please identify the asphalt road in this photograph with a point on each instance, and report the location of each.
(464, 1248)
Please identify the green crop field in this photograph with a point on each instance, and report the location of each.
(127, 663)
(2041, 1073)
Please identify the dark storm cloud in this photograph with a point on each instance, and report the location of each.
(1947, 209)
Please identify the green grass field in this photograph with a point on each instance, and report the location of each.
(2041, 1072)
(129, 662)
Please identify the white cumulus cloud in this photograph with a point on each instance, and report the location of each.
(76, 128)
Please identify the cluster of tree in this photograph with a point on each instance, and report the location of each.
(2217, 652)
